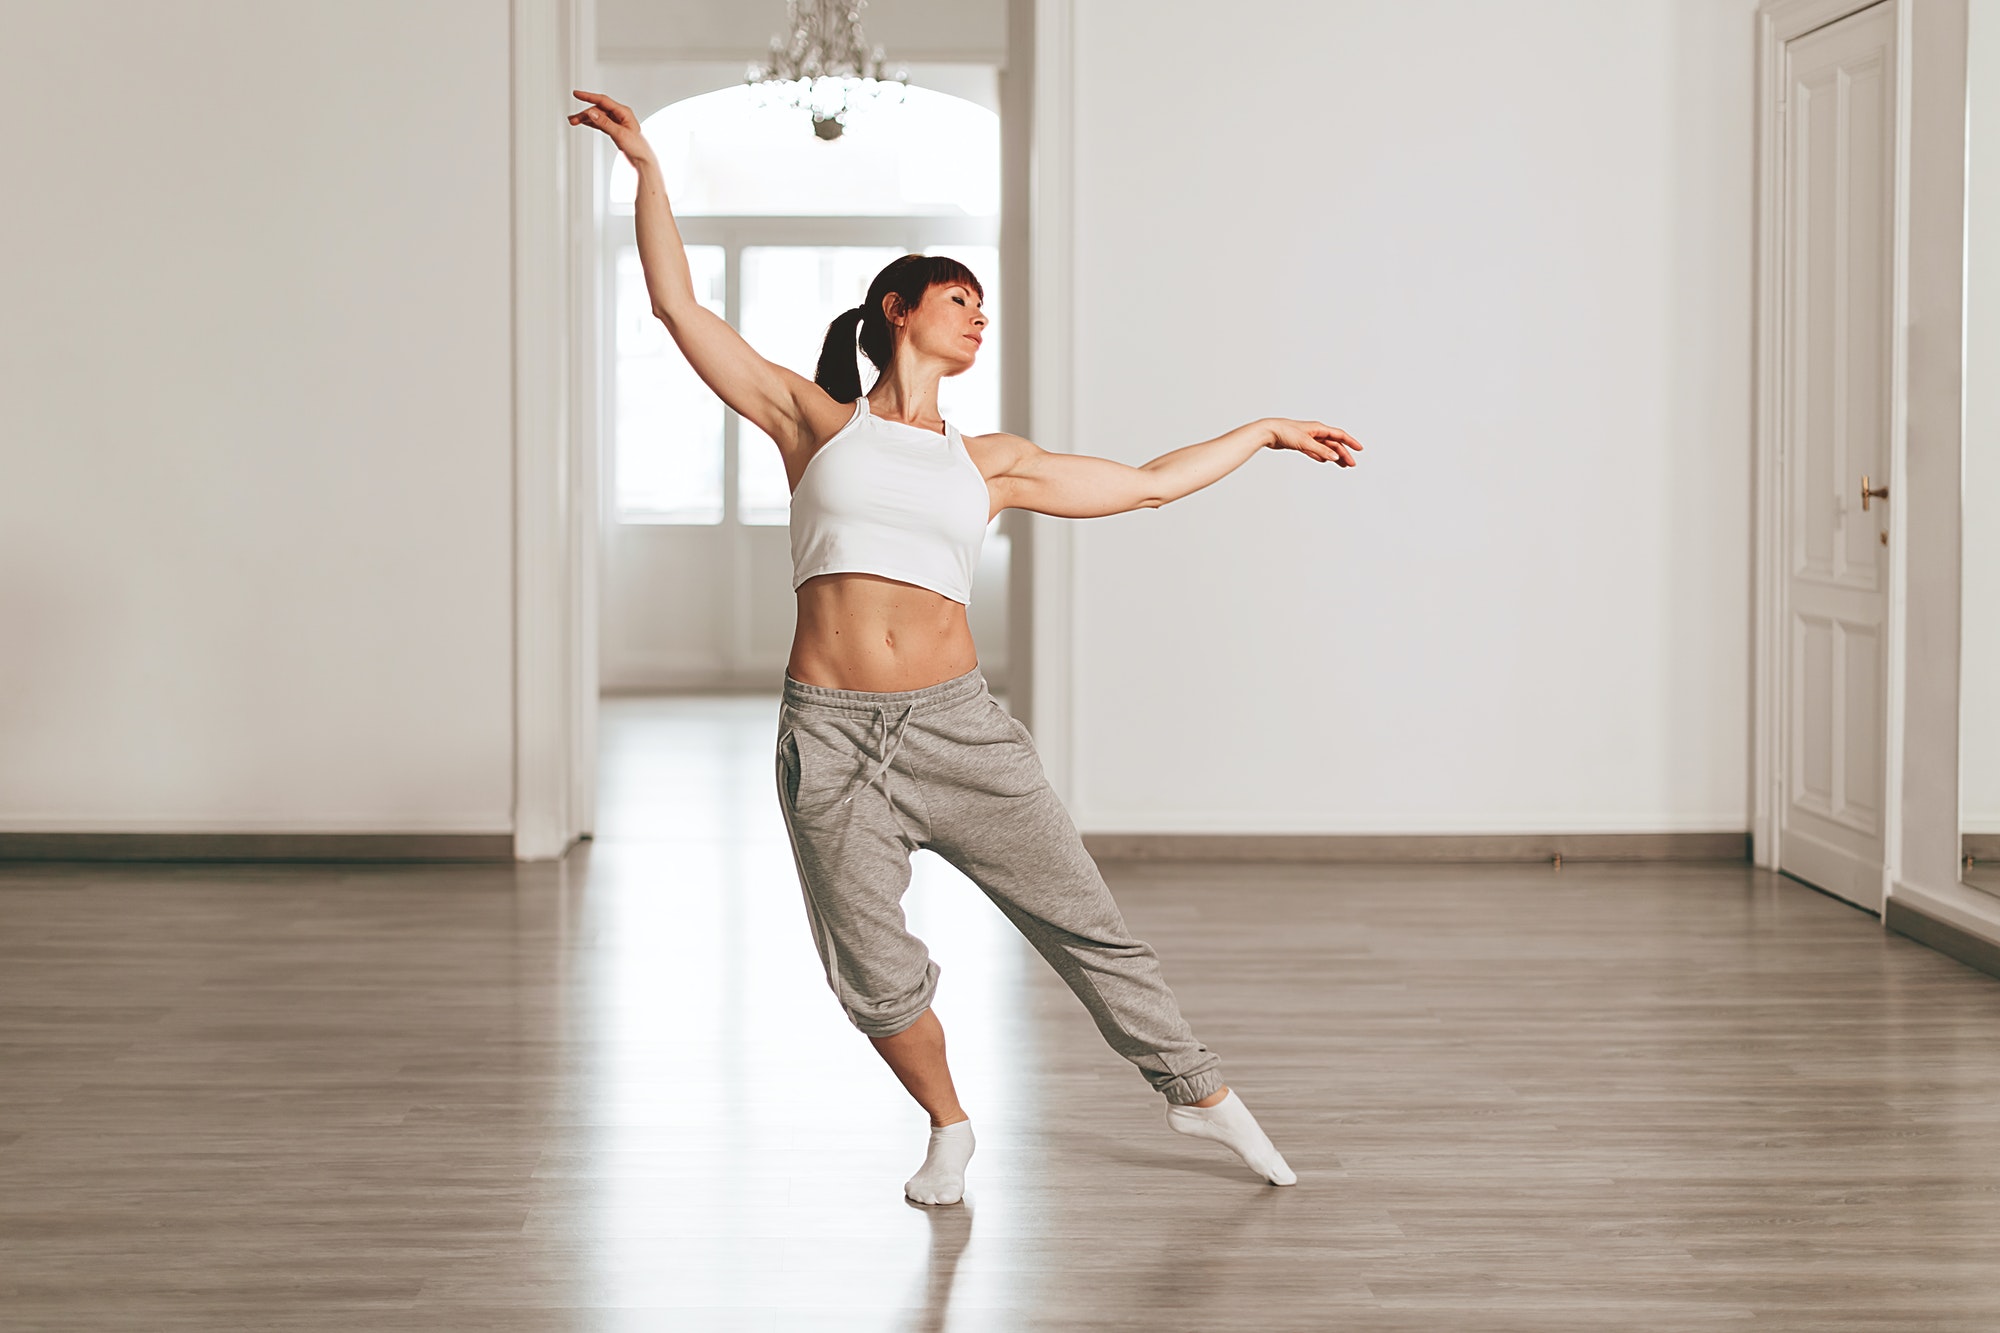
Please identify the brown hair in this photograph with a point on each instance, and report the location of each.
(909, 278)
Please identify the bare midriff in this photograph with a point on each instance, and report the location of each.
(866, 632)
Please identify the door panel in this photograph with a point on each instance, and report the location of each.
(1812, 697)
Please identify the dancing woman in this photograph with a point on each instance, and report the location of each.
(887, 737)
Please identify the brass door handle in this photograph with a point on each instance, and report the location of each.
(1880, 492)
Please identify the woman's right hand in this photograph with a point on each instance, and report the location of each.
(615, 119)
(1314, 439)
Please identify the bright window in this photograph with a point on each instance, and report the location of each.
(669, 424)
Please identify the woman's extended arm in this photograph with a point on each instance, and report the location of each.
(662, 254)
(767, 394)
(1084, 486)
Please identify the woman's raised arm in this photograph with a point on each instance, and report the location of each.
(772, 396)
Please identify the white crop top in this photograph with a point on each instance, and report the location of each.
(884, 497)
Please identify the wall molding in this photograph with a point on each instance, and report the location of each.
(1973, 947)
(1340, 848)
(548, 648)
(257, 847)
(1014, 86)
(1049, 701)
(1128, 819)
(587, 412)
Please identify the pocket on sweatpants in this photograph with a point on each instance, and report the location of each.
(788, 768)
(1001, 760)
(1013, 723)
(817, 770)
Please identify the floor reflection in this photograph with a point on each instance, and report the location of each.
(951, 1231)
(747, 1146)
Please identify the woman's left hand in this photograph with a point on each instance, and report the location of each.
(1315, 439)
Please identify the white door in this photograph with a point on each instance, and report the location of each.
(1838, 191)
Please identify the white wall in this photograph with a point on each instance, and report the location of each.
(254, 541)
(1979, 734)
(1509, 248)
(735, 32)
(255, 529)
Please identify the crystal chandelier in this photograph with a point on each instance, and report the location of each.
(818, 65)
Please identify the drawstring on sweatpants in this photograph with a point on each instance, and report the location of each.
(889, 744)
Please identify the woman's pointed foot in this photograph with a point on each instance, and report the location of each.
(1230, 1123)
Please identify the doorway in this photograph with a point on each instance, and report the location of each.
(783, 231)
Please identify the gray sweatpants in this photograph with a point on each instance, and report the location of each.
(866, 777)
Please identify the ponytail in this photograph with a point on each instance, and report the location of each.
(839, 370)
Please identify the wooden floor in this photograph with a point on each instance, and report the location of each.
(616, 1094)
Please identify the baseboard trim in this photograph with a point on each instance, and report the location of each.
(1981, 846)
(1252, 847)
(256, 847)
(1947, 939)
(1424, 847)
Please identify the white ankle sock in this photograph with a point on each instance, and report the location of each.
(1230, 1123)
(942, 1179)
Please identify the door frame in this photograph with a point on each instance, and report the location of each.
(559, 383)
(1920, 752)
(1926, 879)
(555, 415)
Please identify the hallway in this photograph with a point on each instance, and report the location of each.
(615, 1094)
